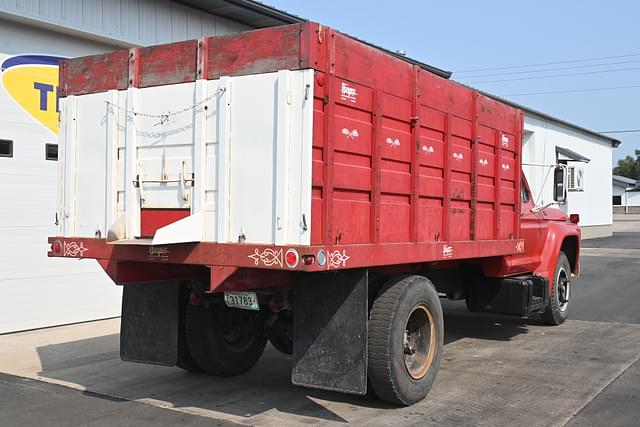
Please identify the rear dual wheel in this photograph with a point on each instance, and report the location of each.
(224, 341)
(185, 361)
(406, 331)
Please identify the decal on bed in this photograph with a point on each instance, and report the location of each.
(348, 93)
(269, 257)
(393, 142)
(73, 249)
(350, 134)
(428, 149)
(447, 251)
(338, 259)
(159, 253)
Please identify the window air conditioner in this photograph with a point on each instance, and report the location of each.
(576, 178)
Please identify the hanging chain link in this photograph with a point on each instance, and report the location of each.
(164, 117)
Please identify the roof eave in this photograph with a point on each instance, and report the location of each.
(614, 142)
(272, 12)
(248, 12)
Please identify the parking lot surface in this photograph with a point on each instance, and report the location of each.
(496, 370)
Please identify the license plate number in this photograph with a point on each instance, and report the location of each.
(244, 300)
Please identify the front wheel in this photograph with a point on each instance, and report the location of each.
(406, 330)
(224, 341)
(557, 307)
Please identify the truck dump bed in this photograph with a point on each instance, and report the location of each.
(233, 150)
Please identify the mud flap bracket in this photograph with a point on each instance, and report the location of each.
(330, 331)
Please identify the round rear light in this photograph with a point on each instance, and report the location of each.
(322, 258)
(292, 258)
(308, 259)
(56, 247)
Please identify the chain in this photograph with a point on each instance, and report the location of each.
(163, 117)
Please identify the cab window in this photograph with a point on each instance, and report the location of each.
(524, 194)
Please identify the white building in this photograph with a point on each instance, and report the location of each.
(36, 291)
(549, 141)
(626, 195)
(588, 155)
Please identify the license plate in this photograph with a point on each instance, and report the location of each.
(244, 300)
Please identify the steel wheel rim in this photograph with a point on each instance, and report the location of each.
(419, 342)
(563, 289)
(235, 332)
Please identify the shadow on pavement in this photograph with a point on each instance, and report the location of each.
(460, 323)
(94, 364)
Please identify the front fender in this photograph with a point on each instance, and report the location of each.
(560, 236)
(541, 256)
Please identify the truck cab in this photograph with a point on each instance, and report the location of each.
(551, 240)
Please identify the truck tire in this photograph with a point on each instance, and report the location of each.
(405, 334)
(185, 360)
(557, 306)
(279, 330)
(224, 341)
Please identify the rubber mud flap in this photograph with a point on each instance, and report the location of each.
(149, 324)
(330, 331)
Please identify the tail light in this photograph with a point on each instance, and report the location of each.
(292, 258)
(308, 259)
(56, 247)
(574, 218)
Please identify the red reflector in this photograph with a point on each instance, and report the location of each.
(574, 218)
(308, 259)
(56, 247)
(291, 258)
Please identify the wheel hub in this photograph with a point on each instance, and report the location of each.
(409, 344)
(563, 289)
(236, 327)
(419, 342)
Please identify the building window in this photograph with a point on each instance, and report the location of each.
(51, 151)
(6, 148)
(617, 200)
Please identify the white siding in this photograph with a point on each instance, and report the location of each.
(632, 198)
(629, 196)
(36, 291)
(618, 190)
(123, 22)
(539, 146)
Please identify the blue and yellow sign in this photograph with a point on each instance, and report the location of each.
(32, 82)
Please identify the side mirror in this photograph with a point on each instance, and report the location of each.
(560, 184)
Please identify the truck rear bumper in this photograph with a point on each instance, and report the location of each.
(287, 258)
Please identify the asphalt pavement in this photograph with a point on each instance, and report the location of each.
(27, 402)
(608, 290)
(496, 370)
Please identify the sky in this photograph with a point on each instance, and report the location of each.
(572, 38)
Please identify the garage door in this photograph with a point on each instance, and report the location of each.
(36, 291)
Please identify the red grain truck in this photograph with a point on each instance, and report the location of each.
(298, 186)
